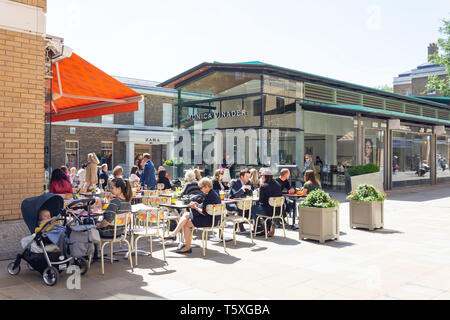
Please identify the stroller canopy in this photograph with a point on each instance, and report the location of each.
(30, 208)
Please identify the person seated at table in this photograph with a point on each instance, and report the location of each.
(191, 185)
(103, 176)
(270, 188)
(60, 183)
(197, 217)
(162, 178)
(121, 189)
(240, 188)
(198, 175)
(254, 179)
(134, 178)
(286, 187)
(117, 173)
(310, 182)
(218, 183)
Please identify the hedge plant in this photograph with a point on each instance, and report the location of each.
(319, 199)
(368, 168)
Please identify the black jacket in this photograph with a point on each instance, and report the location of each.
(217, 187)
(268, 190)
(284, 184)
(236, 190)
(166, 183)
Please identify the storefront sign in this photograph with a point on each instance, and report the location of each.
(152, 140)
(212, 115)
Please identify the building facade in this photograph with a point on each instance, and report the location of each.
(343, 124)
(413, 82)
(118, 139)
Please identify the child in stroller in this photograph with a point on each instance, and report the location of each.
(49, 249)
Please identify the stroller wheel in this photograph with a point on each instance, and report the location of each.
(13, 271)
(83, 264)
(50, 276)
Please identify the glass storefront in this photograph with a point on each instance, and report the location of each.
(411, 151)
(248, 108)
(442, 156)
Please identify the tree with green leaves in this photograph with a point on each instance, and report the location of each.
(434, 83)
(385, 88)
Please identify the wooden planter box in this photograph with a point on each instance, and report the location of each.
(318, 223)
(375, 179)
(368, 215)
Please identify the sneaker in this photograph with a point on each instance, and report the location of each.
(186, 251)
(272, 232)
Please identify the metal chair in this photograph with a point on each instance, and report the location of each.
(146, 225)
(217, 211)
(244, 205)
(121, 220)
(275, 202)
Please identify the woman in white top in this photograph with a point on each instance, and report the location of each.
(134, 179)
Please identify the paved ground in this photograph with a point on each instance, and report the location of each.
(409, 259)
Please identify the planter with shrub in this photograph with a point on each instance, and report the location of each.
(367, 174)
(366, 207)
(173, 167)
(318, 217)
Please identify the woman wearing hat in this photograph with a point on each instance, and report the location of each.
(270, 188)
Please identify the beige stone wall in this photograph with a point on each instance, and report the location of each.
(21, 118)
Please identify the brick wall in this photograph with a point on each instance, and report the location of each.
(154, 109)
(36, 3)
(419, 84)
(21, 118)
(403, 88)
(89, 140)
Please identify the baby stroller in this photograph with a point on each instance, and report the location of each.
(39, 248)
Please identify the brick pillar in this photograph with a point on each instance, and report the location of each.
(22, 58)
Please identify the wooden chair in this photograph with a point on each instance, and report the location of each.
(275, 202)
(121, 220)
(147, 225)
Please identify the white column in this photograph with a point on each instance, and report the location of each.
(169, 150)
(330, 149)
(129, 157)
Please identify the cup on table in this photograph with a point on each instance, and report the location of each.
(222, 195)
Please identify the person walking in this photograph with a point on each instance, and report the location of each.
(148, 179)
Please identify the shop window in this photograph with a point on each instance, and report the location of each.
(442, 158)
(106, 154)
(108, 119)
(167, 115)
(139, 116)
(71, 158)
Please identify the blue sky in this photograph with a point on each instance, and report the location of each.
(364, 42)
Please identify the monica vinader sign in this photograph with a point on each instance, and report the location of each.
(212, 115)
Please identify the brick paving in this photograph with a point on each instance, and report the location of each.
(409, 259)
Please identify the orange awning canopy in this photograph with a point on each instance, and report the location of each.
(81, 90)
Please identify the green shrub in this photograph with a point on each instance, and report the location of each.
(368, 168)
(319, 199)
(174, 162)
(366, 193)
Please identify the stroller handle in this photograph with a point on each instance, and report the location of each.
(85, 201)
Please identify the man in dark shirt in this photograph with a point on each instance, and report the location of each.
(285, 185)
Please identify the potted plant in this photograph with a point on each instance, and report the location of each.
(173, 167)
(369, 173)
(366, 207)
(319, 217)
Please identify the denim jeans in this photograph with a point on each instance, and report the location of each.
(260, 211)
